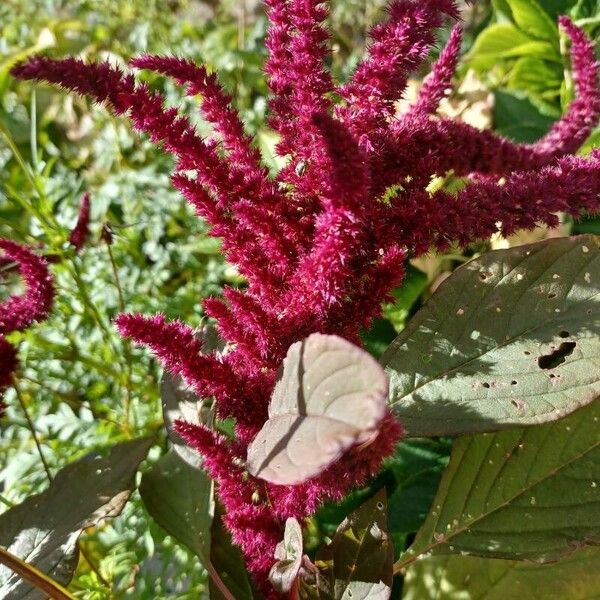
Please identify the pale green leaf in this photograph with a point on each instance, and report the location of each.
(534, 20)
(44, 529)
(472, 578)
(511, 338)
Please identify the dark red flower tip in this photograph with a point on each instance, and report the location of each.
(8, 365)
(18, 312)
(81, 231)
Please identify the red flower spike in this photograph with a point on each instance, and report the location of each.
(81, 231)
(437, 84)
(8, 365)
(19, 312)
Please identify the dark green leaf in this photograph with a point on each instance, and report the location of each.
(527, 494)
(228, 562)
(179, 498)
(511, 338)
(44, 529)
(417, 466)
(358, 562)
(517, 118)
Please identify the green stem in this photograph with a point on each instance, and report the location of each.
(6, 501)
(48, 586)
(33, 432)
(33, 132)
(87, 302)
(92, 566)
(126, 343)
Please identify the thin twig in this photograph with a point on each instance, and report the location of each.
(126, 343)
(219, 582)
(33, 431)
(92, 566)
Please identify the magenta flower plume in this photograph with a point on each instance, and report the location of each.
(81, 231)
(437, 84)
(8, 365)
(323, 242)
(18, 312)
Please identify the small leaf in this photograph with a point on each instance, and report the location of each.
(492, 42)
(358, 562)
(473, 578)
(179, 498)
(534, 20)
(331, 396)
(289, 557)
(44, 529)
(527, 494)
(511, 338)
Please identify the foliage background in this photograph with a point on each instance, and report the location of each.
(82, 386)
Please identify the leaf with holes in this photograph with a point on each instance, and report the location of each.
(473, 578)
(528, 494)
(44, 529)
(511, 338)
(358, 562)
(331, 396)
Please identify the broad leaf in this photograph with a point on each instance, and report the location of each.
(289, 557)
(358, 562)
(179, 498)
(44, 529)
(511, 338)
(228, 562)
(330, 397)
(527, 494)
(473, 578)
(534, 20)
(417, 466)
(493, 42)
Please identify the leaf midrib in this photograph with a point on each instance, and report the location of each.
(400, 564)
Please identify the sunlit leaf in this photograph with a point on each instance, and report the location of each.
(44, 529)
(527, 494)
(511, 338)
(473, 578)
(289, 557)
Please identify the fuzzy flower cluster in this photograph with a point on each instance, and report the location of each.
(19, 312)
(322, 243)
